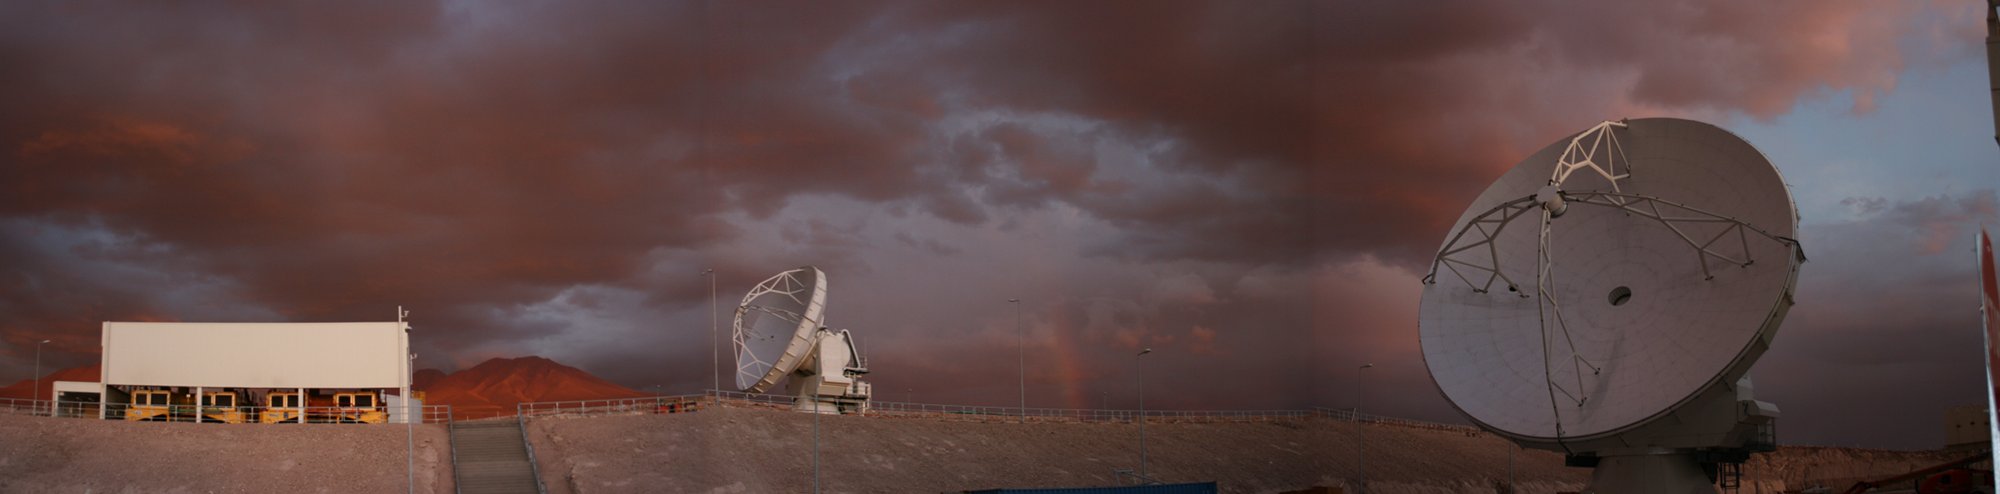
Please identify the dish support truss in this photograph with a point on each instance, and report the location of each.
(1472, 249)
(786, 284)
(1581, 150)
(826, 374)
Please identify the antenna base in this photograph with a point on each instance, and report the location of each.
(1720, 428)
(828, 382)
(1663, 472)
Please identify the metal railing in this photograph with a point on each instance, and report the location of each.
(451, 440)
(620, 406)
(1350, 415)
(695, 402)
(429, 414)
(46, 408)
(476, 412)
(997, 413)
(521, 421)
(986, 413)
(23, 406)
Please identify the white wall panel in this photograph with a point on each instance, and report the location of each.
(256, 355)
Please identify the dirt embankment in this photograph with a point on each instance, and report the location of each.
(1797, 468)
(65, 455)
(750, 450)
(746, 450)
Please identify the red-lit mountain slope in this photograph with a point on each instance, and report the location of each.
(493, 387)
(25, 388)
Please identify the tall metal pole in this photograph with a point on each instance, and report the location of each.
(409, 399)
(1510, 469)
(1993, 60)
(1139, 378)
(410, 418)
(815, 413)
(38, 377)
(1361, 429)
(1021, 352)
(714, 355)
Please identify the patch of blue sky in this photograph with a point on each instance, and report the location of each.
(1932, 136)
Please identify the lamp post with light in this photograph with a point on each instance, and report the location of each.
(1140, 379)
(38, 375)
(1360, 379)
(1021, 352)
(714, 355)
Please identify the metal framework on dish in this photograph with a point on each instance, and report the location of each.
(1611, 372)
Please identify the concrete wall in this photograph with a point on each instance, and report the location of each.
(257, 355)
(1966, 427)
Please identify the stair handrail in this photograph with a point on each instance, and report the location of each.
(521, 421)
(451, 437)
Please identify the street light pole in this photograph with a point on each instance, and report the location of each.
(1360, 379)
(1021, 352)
(714, 355)
(409, 401)
(815, 413)
(38, 375)
(1140, 379)
(411, 415)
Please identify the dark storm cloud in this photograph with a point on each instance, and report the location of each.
(541, 178)
(1886, 330)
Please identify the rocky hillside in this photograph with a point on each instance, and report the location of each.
(25, 388)
(493, 387)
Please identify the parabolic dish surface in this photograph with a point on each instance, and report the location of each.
(774, 326)
(1647, 328)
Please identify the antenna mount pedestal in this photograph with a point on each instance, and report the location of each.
(829, 379)
(1721, 427)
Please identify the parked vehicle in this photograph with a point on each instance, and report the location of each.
(281, 407)
(151, 404)
(221, 406)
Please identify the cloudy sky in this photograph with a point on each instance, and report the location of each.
(1252, 190)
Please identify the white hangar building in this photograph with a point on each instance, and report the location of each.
(251, 367)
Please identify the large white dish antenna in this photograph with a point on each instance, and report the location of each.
(1610, 279)
(775, 327)
(779, 333)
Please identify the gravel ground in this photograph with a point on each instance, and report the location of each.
(755, 451)
(735, 450)
(51, 455)
(746, 450)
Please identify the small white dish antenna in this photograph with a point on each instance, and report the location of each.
(779, 332)
(1607, 296)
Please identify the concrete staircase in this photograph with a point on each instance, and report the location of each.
(490, 456)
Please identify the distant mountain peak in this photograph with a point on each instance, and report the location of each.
(25, 388)
(500, 383)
